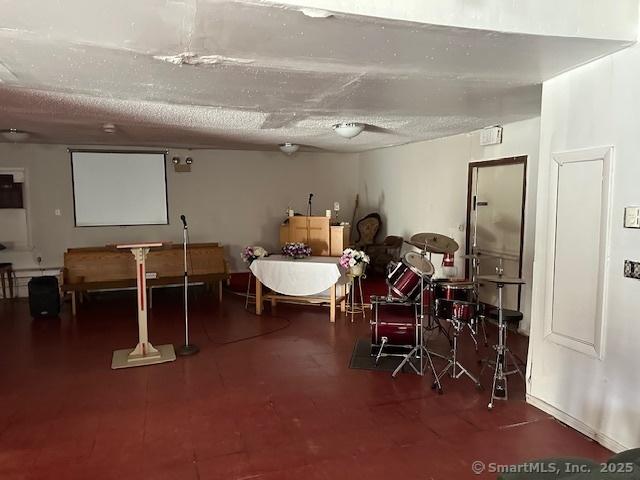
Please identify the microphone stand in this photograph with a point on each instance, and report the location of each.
(188, 348)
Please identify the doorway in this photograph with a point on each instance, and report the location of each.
(496, 196)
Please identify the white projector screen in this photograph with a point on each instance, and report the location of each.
(119, 188)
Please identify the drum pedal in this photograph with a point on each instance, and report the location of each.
(500, 390)
(384, 342)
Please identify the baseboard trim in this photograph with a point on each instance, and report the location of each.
(578, 425)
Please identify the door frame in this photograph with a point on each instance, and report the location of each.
(522, 159)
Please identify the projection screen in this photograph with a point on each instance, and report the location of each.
(119, 188)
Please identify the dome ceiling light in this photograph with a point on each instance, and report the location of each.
(348, 130)
(289, 148)
(14, 135)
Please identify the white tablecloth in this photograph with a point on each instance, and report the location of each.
(303, 277)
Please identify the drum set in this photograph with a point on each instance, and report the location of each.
(447, 306)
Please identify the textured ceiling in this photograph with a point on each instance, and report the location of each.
(225, 74)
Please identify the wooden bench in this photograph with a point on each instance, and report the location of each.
(104, 268)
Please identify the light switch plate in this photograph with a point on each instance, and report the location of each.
(632, 217)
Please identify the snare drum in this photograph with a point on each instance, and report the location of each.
(404, 279)
(446, 293)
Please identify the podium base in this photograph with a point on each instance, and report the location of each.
(122, 358)
(187, 350)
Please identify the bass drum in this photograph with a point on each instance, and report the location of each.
(398, 334)
(404, 279)
(395, 322)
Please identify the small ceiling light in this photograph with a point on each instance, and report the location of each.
(316, 13)
(175, 160)
(348, 130)
(14, 135)
(188, 160)
(109, 128)
(289, 148)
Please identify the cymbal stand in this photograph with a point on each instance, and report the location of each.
(479, 318)
(420, 351)
(457, 369)
(434, 321)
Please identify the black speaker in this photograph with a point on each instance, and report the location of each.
(44, 297)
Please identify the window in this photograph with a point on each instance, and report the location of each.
(10, 192)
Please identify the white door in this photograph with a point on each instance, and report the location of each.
(577, 257)
(566, 370)
(495, 223)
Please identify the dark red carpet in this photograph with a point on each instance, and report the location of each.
(281, 405)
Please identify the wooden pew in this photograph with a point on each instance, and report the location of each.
(102, 268)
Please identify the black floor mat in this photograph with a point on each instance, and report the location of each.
(361, 358)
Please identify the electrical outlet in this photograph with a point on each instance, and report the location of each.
(632, 269)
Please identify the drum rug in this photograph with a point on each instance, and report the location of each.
(361, 358)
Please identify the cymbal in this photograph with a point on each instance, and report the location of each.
(434, 243)
(501, 279)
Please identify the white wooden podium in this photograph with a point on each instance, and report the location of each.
(144, 352)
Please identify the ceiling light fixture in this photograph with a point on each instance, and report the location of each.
(316, 13)
(109, 128)
(289, 148)
(348, 130)
(14, 135)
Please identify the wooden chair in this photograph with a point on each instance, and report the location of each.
(7, 275)
(368, 228)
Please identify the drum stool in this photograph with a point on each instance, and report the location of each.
(504, 354)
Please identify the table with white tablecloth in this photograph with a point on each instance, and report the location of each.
(311, 279)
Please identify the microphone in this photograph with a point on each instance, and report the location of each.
(184, 220)
(309, 207)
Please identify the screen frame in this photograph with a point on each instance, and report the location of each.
(164, 153)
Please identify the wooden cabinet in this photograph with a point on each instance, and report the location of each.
(339, 239)
(324, 239)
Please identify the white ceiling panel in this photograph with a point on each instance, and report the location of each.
(232, 74)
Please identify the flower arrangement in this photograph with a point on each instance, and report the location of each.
(296, 250)
(250, 253)
(354, 260)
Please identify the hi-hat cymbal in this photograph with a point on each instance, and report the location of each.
(501, 279)
(434, 243)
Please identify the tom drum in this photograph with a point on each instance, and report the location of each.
(446, 293)
(404, 279)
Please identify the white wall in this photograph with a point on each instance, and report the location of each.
(239, 197)
(232, 197)
(422, 187)
(595, 105)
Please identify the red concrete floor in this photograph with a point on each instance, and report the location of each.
(283, 405)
